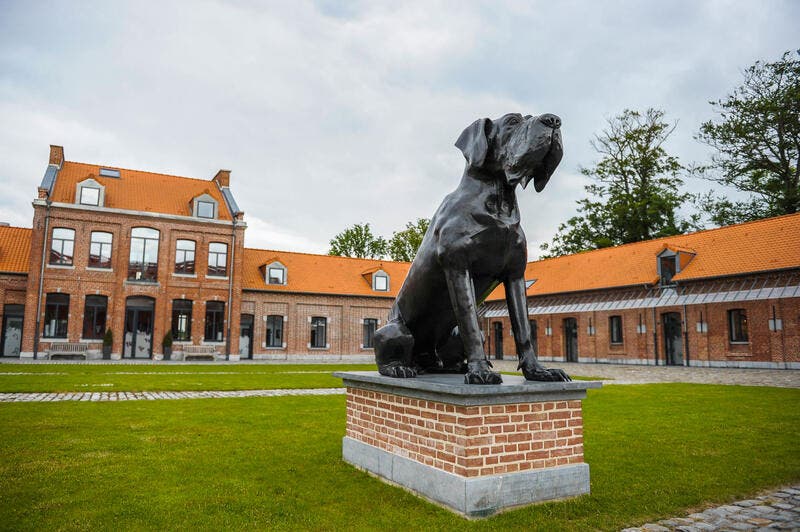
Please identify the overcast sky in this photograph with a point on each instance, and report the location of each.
(333, 113)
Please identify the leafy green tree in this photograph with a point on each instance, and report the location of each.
(636, 188)
(358, 241)
(404, 244)
(757, 137)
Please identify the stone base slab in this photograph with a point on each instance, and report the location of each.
(469, 496)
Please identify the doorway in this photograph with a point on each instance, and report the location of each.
(12, 330)
(571, 339)
(673, 336)
(497, 327)
(138, 328)
(246, 336)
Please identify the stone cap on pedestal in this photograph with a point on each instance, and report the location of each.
(450, 388)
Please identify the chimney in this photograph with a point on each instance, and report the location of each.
(223, 178)
(56, 155)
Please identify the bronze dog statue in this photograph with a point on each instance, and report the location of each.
(474, 243)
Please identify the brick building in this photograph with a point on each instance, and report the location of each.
(722, 297)
(143, 254)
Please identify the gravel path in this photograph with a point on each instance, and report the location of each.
(634, 374)
(150, 396)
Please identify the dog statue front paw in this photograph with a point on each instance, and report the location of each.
(398, 371)
(533, 371)
(479, 373)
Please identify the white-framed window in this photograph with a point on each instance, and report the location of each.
(275, 273)
(100, 250)
(62, 246)
(90, 196)
(380, 281)
(205, 206)
(90, 192)
(205, 209)
(319, 332)
(217, 259)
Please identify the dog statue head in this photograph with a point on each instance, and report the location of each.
(520, 147)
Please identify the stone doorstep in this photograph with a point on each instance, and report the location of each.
(470, 497)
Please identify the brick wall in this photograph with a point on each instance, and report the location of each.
(79, 280)
(344, 314)
(712, 346)
(469, 441)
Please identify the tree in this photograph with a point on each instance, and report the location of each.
(358, 241)
(757, 136)
(404, 244)
(636, 189)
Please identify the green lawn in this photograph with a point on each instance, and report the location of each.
(150, 378)
(274, 463)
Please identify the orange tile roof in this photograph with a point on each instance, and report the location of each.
(137, 190)
(763, 245)
(15, 248)
(321, 274)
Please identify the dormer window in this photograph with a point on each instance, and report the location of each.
(204, 206)
(671, 261)
(90, 192)
(205, 209)
(276, 273)
(90, 196)
(380, 281)
(667, 268)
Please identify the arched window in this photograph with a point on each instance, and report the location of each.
(143, 264)
(62, 246)
(100, 250)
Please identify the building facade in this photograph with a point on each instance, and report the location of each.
(723, 297)
(150, 257)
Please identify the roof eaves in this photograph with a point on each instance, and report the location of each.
(299, 292)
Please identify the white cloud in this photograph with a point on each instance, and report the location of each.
(330, 114)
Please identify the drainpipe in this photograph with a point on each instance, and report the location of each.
(655, 336)
(686, 335)
(41, 282)
(230, 290)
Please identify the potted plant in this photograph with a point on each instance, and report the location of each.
(108, 341)
(167, 345)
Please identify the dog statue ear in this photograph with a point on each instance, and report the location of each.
(474, 143)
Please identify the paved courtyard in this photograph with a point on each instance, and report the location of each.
(635, 374)
(777, 510)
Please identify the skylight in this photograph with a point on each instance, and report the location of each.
(109, 172)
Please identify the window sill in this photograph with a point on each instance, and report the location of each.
(185, 275)
(275, 348)
(141, 282)
(320, 348)
(739, 343)
(90, 340)
(61, 266)
(218, 277)
(617, 344)
(94, 269)
(213, 342)
(52, 339)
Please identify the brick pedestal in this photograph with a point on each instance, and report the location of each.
(474, 449)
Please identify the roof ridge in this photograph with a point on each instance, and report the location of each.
(327, 255)
(712, 229)
(141, 171)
